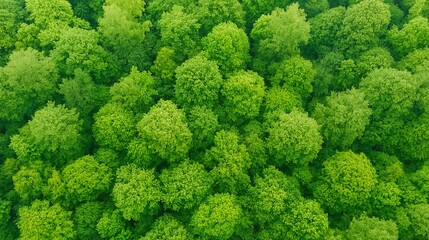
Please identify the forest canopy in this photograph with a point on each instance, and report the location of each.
(214, 119)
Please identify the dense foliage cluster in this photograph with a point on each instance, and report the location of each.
(214, 119)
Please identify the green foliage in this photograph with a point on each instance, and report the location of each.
(280, 33)
(10, 12)
(414, 226)
(81, 93)
(228, 46)
(346, 182)
(343, 118)
(372, 228)
(26, 82)
(78, 49)
(113, 127)
(364, 23)
(44, 221)
(163, 70)
(374, 59)
(86, 218)
(243, 94)
(203, 124)
(211, 13)
(85, 179)
(306, 221)
(165, 228)
(272, 196)
(229, 162)
(165, 132)
(295, 74)
(112, 225)
(179, 30)
(28, 184)
(198, 82)
(53, 135)
(414, 35)
(217, 218)
(136, 192)
(185, 186)
(293, 139)
(134, 92)
(391, 95)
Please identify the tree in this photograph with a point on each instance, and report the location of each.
(163, 70)
(279, 100)
(136, 192)
(81, 93)
(113, 127)
(413, 35)
(229, 46)
(203, 124)
(27, 82)
(85, 179)
(112, 225)
(212, 13)
(296, 75)
(43, 221)
(324, 27)
(306, 220)
(53, 135)
(198, 82)
(78, 49)
(121, 33)
(134, 92)
(179, 30)
(165, 133)
(253, 9)
(10, 15)
(391, 95)
(86, 217)
(184, 186)
(217, 218)
(373, 59)
(413, 220)
(343, 118)
(294, 139)
(272, 195)
(229, 162)
(243, 94)
(167, 227)
(347, 180)
(280, 33)
(28, 183)
(372, 228)
(364, 23)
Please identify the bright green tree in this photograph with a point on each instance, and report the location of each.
(217, 218)
(242, 94)
(372, 228)
(180, 31)
(228, 46)
(212, 13)
(347, 180)
(229, 163)
(27, 81)
(203, 124)
(85, 179)
(184, 186)
(163, 70)
(165, 133)
(413, 35)
(343, 118)
(28, 183)
(280, 33)
(134, 92)
(85, 218)
(114, 127)
(78, 49)
(53, 135)
(363, 25)
(137, 193)
(198, 82)
(294, 139)
(167, 227)
(44, 221)
(295, 74)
